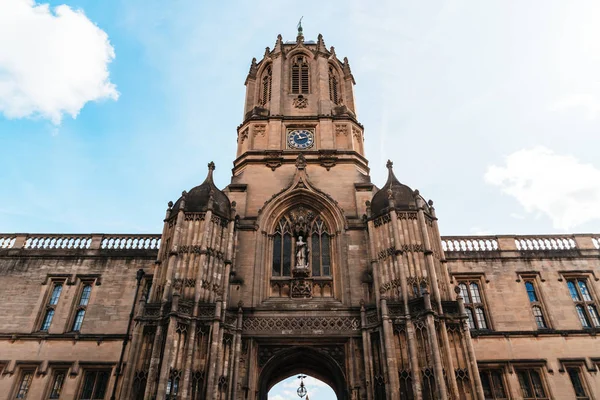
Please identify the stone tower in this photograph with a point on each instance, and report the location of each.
(300, 264)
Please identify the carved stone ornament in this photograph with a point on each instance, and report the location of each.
(273, 160)
(300, 219)
(341, 130)
(301, 289)
(259, 130)
(300, 101)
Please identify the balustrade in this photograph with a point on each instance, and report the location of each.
(130, 242)
(54, 241)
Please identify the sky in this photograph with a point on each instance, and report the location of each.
(315, 389)
(108, 110)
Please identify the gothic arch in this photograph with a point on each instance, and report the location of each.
(302, 360)
(301, 193)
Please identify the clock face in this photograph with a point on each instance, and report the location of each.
(300, 139)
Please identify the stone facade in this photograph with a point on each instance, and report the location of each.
(301, 264)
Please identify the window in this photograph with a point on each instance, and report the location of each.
(318, 239)
(58, 380)
(536, 305)
(84, 299)
(24, 384)
(471, 294)
(282, 250)
(320, 249)
(532, 386)
(94, 385)
(577, 382)
(266, 86)
(493, 384)
(51, 306)
(300, 75)
(585, 306)
(173, 384)
(333, 86)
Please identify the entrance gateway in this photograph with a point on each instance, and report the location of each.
(301, 264)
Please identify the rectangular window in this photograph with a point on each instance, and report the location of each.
(94, 385)
(24, 384)
(492, 381)
(58, 380)
(578, 383)
(585, 306)
(470, 291)
(532, 385)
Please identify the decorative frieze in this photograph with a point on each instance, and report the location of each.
(384, 219)
(280, 324)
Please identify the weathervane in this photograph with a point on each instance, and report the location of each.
(302, 389)
(300, 26)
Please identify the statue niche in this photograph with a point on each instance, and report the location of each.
(301, 253)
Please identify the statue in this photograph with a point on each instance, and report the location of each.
(301, 253)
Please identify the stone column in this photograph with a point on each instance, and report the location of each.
(211, 388)
(237, 353)
(472, 361)
(435, 350)
(367, 357)
(392, 366)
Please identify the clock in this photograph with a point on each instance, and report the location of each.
(300, 139)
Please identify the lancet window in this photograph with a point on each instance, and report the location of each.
(333, 86)
(300, 75)
(266, 86)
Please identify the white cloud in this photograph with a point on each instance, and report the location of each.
(559, 186)
(52, 62)
(584, 101)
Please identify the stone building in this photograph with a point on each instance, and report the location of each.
(300, 265)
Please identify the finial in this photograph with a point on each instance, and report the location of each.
(253, 68)
(267, 52)
(430, 202)
(170, 204)
(211, 166)
(332, 51)
(389, 164)
(184, 193)
(300, 37)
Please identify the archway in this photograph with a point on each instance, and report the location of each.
(287, 389)
(299, 360)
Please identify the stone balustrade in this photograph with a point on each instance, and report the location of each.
(455, 245)
(521, 245)
(52, 241)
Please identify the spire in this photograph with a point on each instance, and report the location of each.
(300, 37)
(211, 168)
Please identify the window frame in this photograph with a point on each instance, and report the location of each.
(53, 283)
(540, 371)
(303, 68)
(335, 94)
(265, 85)
(21, 372)
(581, 301)
(77, 305)
(472, 307)
(55, 372)
(578, 366)
(539, 302)
(495, 368)
(96, 370)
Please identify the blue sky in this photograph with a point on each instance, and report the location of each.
(110, 109)
(315, 389)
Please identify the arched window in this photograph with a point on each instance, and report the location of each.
(266, 86)
(282, 249)
(333, 86)
(300, 75)
(536, 305)
(320, 249)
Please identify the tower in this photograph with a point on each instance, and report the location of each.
(301, 264)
